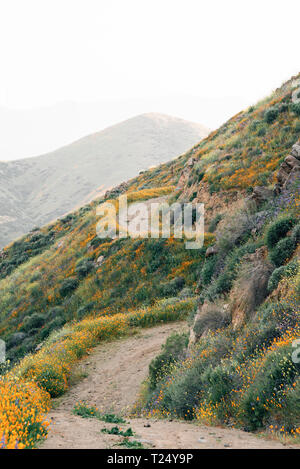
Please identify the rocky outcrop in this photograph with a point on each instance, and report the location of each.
(260, 195)
(116, 191)
(211, 251)
(289, 171)
(186, 173)
(100, 261)
(288, 174)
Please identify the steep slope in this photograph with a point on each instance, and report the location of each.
(238, 369)
(34, 191)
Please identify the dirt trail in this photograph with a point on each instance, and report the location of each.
(115, 372)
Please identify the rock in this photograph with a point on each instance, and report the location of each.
(292, 161)
(289, 170)
(3, 254)
(145, 442)
(211, 251)
(17, 338)
(147, 425)
(120, 189)
(38, 347)
(260, 195)
(292, 177)
(227, 445)
(100, 260)
(283, 173)
(191, 161)
(296, 150)
(202, 439)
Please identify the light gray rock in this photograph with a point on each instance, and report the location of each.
(100, 260)
(296, 150)
(212, 250)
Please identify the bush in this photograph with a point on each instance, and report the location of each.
(85, 310)
(51, 379)
(171, 352)
(296, 234)
(212, 319)
(278, 229)
(282, 251)
(277, 372)
(34, 321)
(172, 287)
(55, 312)
(296, 108)
(288, 270)
(53, 325)
(271, 115)
(84, 267)
(68, 286)
(208, 270)
(214, 223)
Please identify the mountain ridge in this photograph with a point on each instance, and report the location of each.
(39, 189)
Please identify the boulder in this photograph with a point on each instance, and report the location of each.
(292, 161)
(289, 170)
(292, 177)
(260, 195)
(191, 161)
(100, 260)
(296, 150)
(212, 250)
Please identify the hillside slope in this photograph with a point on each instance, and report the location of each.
(35, 191)
(240, 291)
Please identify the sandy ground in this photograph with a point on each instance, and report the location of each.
(115, 372)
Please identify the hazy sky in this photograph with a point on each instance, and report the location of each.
(188, 57)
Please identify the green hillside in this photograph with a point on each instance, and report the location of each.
(63, 289)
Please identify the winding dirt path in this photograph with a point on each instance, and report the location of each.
(114, 373)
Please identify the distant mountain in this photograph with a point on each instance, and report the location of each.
(35, 191)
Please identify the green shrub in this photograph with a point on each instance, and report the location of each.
(85, 310)
(51, 379)
(217, 383)
(278, 229)
(213, 319)
(118, 431)
(208, 270)
(296, 234)
(296, 108)
(278, 371)
(172, 287)
(84, 267)
(214, 223)
(282, 251)
(271, 115)
(68, 286)
(171, 351)
(34, 321)
(288, 270)
(224, 282)
(55, 312)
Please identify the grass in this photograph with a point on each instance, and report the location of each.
(131, 444)
(85, 411)
(117, 431)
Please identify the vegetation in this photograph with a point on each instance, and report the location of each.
(64, 290)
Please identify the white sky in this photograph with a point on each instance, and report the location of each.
(188, 57)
